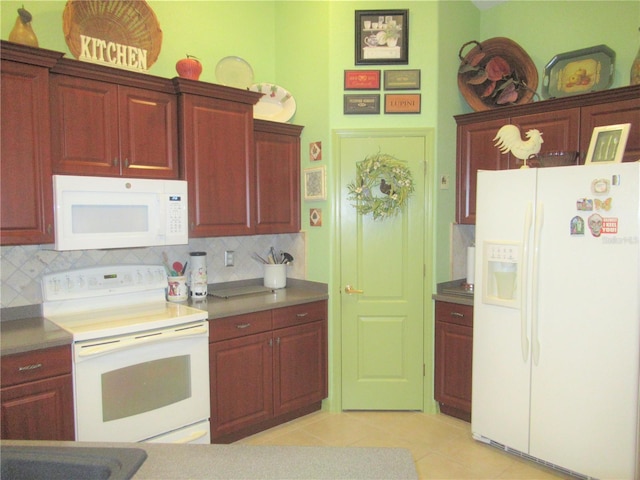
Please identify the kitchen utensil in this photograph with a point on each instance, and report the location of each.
(184, 269)
(165, 258)
(258, 258)
(286, 257)
(177, 266)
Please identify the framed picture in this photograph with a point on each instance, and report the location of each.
(402, 103)
(362, 79)
(402, 80)
(382, 37)
(366, 104)
(607, 144)
(314, 184)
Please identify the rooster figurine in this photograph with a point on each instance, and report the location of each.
(509, 140)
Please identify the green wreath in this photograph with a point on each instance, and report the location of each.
(390, 177)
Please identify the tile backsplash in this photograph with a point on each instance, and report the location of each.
(23, 266)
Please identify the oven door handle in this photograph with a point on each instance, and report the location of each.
(133, 341)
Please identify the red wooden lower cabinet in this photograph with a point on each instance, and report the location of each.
(453, 358)
(266, 368)
(37, 395)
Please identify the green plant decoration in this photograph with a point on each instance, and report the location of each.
(382, 187)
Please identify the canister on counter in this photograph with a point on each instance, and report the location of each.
(198, 263)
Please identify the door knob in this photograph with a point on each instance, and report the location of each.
(349, 289)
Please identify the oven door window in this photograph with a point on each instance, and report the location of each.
(144, 387)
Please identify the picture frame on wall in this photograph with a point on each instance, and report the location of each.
(402, 79)
(314, 184)
(382, 37)
(402, 103)
(364, 104)
(607, 144)
(362, 79)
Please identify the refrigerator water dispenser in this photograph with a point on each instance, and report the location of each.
(500, 268)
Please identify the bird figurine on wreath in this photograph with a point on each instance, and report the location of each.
(386, 174)
(509, 139)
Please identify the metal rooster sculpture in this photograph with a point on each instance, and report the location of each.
(509, 139)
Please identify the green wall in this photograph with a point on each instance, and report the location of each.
(305, 46)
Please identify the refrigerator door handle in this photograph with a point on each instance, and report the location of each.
(534, 280)
(526, 235)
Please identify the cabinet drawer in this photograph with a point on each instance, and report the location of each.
(297, 314)
(35, 365)
(239, 326)
(454, 313)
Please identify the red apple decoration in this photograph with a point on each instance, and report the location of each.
(189, 67)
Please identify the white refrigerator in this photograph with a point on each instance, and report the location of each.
(556, 348)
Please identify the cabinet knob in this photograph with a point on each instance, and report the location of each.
(126, 163)
(457, 314)
(115, 161)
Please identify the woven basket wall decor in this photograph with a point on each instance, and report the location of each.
(131, 23)
(523, 73)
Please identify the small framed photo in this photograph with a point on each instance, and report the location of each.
(607, 144)
(402, 80)
(402, 103)
(366, 104)
(362, 79)
(382, 37)
(314, 184)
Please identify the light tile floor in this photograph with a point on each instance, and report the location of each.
(442, 446)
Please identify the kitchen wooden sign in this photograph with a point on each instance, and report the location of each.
(118, 33)
(114, 54)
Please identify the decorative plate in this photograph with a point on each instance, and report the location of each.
(234, 72)
(580, 71)
(276, 104)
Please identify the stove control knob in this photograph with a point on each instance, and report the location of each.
(81, 282)
(69, 284)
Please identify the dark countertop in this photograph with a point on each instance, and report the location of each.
(23, 329)
(211, 462)
(27, 334)
(454, 292)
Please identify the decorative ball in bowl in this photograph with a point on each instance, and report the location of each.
(553, 159)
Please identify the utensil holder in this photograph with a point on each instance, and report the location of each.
(178, 291)
(275, 275)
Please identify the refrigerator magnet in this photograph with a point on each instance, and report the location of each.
(600, 186)
(577, 225)
(584, 204)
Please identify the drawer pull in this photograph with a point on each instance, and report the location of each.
(302, 314)
(243, 325)
(27, 368)
(457, 314)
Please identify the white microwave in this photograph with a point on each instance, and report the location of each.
(112, 212)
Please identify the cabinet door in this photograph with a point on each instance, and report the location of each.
(26, 215)
(560, 131)
(148, 133)
(40, 410)
(278, 183)
(300, 366)
(241, 382)
(476, 151)
(84, 126)
(613, 113)
(453, 359)
(217, 148)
